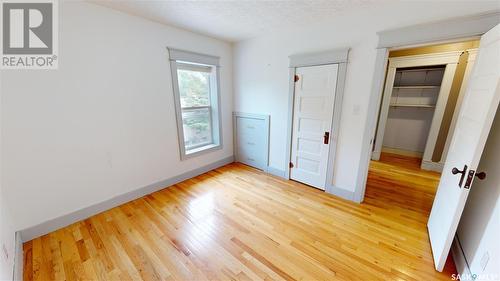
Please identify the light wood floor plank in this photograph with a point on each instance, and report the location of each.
(237, 223)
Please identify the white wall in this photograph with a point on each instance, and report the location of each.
(103, 124)
(479, 227)
(7, 240)
(7, 234)
(261, 71)
(407, 128)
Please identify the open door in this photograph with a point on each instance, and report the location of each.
(473, 125)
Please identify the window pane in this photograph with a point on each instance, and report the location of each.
(194, 87)
(197, 127)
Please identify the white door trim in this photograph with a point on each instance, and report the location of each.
(437, 118)
(465, 27)
(317, 59)
(471, 59)
(449, 29)
(373, 109)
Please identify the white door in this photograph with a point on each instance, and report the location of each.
(473, 125)
(312, 121)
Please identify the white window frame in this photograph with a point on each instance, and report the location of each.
(180, 59)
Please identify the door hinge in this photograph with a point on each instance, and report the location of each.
(296, 78)
(290, 165)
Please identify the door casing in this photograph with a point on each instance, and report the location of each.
(450, 60)
(446, 31)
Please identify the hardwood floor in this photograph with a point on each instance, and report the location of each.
(240, 223)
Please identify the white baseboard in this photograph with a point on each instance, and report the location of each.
(402, 152)
(340, 192)
(65, 220)
(18, 258)
(276, 172)
(432, 166)
(337, 191)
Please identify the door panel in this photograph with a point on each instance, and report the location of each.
(312, 117)
(473, 125)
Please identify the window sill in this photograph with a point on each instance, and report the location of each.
(201, 150)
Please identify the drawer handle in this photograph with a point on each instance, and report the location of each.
(251, 159)
(250, 143)
(250, 127)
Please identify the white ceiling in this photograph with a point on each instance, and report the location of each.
(238, 20)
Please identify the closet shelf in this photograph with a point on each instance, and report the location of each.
(417, 87)
(412, 105)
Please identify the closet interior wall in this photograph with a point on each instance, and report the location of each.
(411, 109)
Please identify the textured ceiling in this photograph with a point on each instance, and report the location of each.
(237, 20)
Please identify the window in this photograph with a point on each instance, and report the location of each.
(196, 88)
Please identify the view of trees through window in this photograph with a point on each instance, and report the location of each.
(194, 90)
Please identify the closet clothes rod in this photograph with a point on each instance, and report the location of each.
(440, 67)
(418, 87)
(412, 105)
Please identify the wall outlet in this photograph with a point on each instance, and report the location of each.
(484, 260)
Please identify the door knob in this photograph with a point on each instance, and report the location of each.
(472, 173)
(481, 175)
(326, 137)
(457, 171)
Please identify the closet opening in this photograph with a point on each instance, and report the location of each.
(421, 99)
(411, 108)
